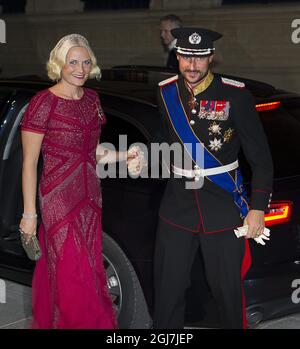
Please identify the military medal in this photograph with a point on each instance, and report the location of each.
(215, 145)
(214, 128)
(193, 104)
(227, 135)
(214, 110)
(205, 109)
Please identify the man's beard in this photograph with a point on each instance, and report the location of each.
(201, 75)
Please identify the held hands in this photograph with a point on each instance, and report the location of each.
(135, 160)
(134, 157)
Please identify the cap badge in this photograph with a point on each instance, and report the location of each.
(195, 39)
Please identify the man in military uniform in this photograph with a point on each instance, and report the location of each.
(219, 115)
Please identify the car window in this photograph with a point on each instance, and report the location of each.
(116, 129)
(12, 140)
(117, 126)
(282, 128)
(4, 94)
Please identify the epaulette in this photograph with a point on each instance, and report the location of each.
(231, 82)
(168, 81)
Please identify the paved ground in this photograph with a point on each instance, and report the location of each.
(15, 313)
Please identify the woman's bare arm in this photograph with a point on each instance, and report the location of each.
(31, 143)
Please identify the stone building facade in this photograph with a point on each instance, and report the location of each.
(260, 42)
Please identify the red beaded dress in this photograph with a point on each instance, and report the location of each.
(69, 283)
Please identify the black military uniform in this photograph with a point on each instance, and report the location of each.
(222, 113)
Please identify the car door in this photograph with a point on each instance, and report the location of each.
(10, 179)
(282, 127)
(277, 264)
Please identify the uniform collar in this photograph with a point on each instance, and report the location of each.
(203, 84)
(172, 45)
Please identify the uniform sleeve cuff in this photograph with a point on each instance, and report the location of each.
(260, 200)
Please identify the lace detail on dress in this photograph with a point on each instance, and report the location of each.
(37, 113)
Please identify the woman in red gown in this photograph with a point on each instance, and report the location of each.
(64, 123)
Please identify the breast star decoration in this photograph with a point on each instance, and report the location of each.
(215, 129)
(228, 135)
(215, 145)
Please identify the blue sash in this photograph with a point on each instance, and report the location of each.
(185, 133)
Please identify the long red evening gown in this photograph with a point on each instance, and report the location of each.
(69, 284)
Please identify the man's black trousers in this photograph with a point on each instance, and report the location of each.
(226, 261)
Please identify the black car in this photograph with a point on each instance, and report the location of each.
(130, 206)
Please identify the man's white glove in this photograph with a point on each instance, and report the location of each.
(242, 231)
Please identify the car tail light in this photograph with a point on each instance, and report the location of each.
(267, 106)
(280, 212)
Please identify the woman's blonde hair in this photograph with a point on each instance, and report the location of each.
(58, 56)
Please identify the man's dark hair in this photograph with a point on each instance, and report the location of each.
(172, 18)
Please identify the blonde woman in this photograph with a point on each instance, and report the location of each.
(64, 123)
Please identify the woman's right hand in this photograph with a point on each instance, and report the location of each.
(28, 227)
(135, 160)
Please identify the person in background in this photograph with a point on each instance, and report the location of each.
(167, 23)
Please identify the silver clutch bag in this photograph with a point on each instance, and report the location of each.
(31, 247)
